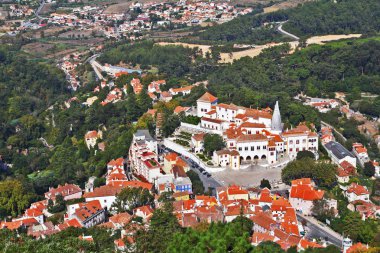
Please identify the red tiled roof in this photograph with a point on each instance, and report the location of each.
(257, 237)
(180, 109)
(198, 137)
(280, 204)
(146, 210)
(265, 196)
(301, 181)
(348, 167)
(302, 189)
(116, 162)
(171, 157)
(342, 173)
(73, 223)
(217, 121)
(91, 135)
(252, 125)
(33, 212)
(308, 244)
(306, 192)
(64, 190)
(121, 218)
(251, 137)
(228, 106)
(357, 189)
(88, 209)
(117, 176)
(263, 220)
(236, 190)
(207, 97)
(182, 89)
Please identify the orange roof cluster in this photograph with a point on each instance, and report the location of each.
(12, 225)
(303, 189)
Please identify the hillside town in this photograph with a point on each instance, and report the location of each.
(130, 23)
(189, 126)
(252, 136)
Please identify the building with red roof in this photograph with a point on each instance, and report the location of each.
(90, 214)
(91, 137)
(182, 90)
(145, 212)
(67, 191)
(250, 131)
(143, 156)
(356, 192)
(302, 194)
(204, 104)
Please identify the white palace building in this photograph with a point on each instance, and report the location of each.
(252, 134)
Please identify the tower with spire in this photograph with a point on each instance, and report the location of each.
(276, 125)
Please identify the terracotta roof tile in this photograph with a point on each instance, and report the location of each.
(207, 97)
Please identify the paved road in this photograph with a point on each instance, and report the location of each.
(39, 9)
(279, 28)
(207, 181)
(95, 66)
(45, 143)
(333, 128)
(316, 230)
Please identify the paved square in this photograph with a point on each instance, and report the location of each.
(250, 177)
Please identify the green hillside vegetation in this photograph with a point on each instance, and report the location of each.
(334, 17)
(175, 61)
(351, 66)
(312, 18)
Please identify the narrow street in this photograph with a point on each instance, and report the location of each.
(317, 229)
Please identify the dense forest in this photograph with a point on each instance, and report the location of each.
(175, 61)
(334, 17)
(31, 108)
(351, 66)
(312, 18)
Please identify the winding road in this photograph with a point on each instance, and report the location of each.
(279, 28)
(39, 9)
